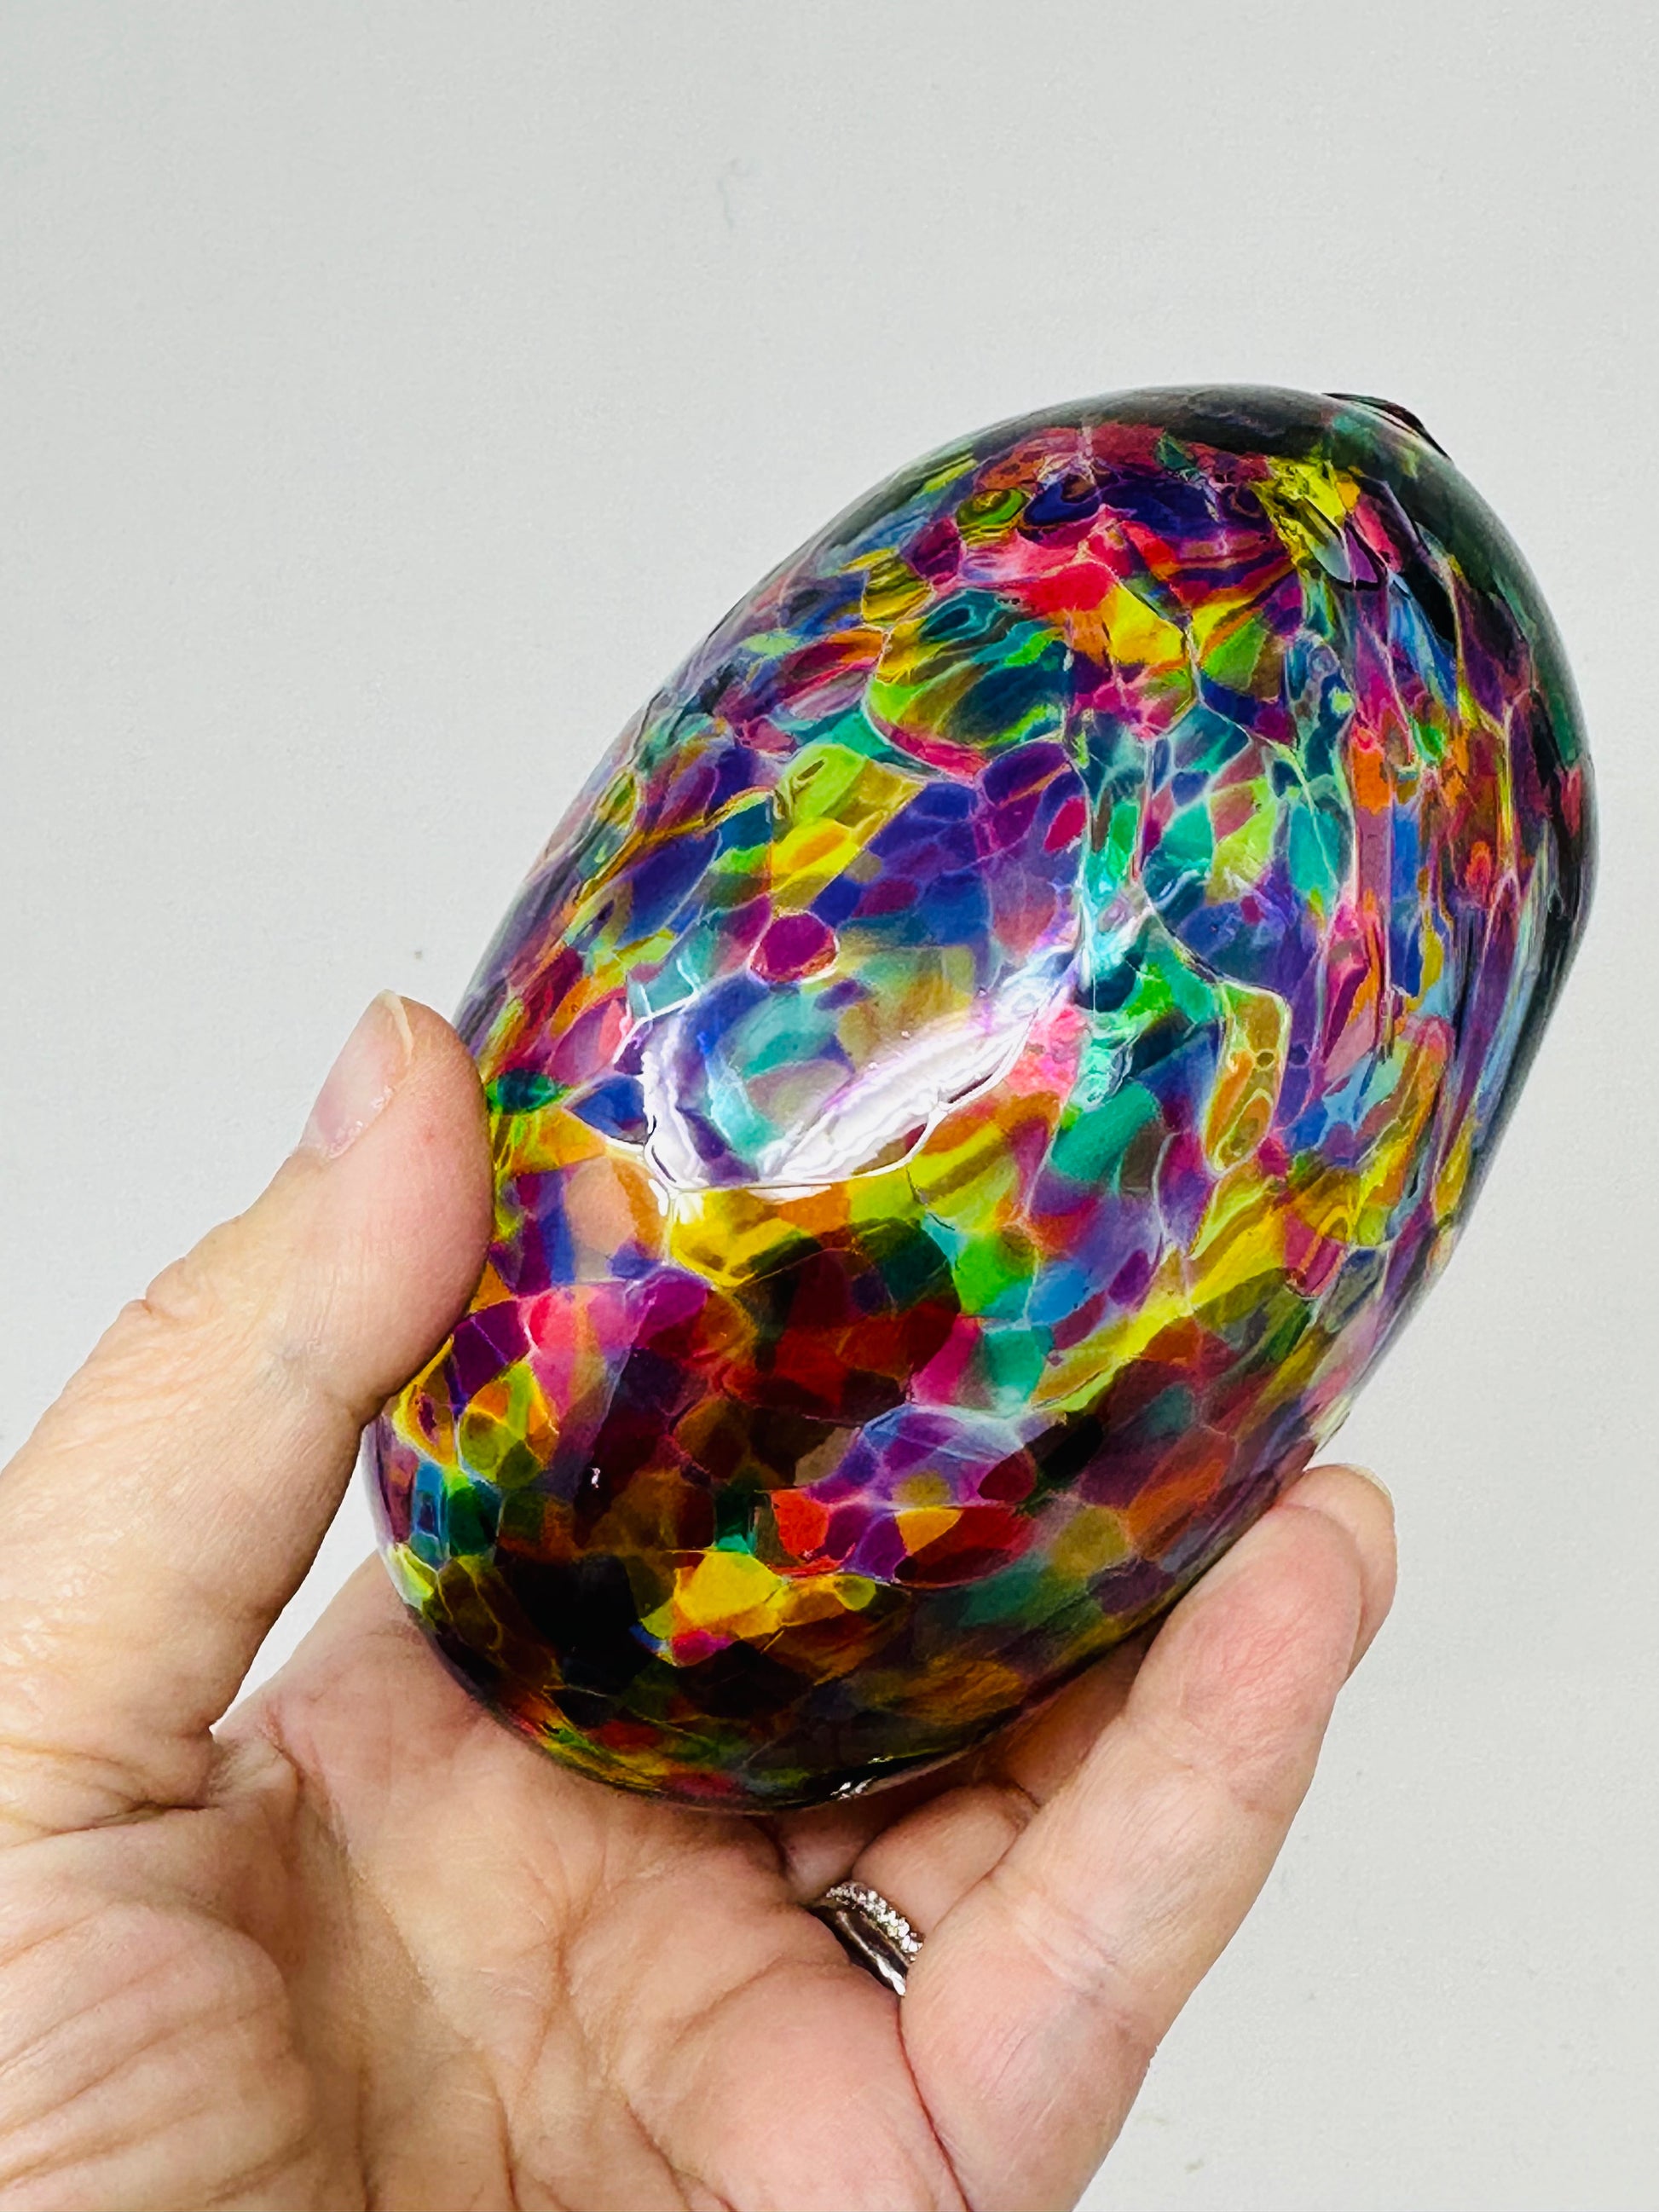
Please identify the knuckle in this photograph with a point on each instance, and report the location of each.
(1247, 1754)
(203, 1299)
(1255, 1696)
(198, 1323)
(197, 1290)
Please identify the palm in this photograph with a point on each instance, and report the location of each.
(410, 1962)
(402, 1959)
(567, 1996)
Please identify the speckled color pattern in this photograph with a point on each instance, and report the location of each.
(986, 1064)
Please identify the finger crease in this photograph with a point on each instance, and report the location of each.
(1074, 1954)
(1209, 1766)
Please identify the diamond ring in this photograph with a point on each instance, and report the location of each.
(871, 1930)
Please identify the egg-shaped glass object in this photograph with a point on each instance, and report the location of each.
(986, 1064)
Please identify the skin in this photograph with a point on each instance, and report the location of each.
(357, 1945)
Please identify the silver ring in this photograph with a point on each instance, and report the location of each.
(871, 1930)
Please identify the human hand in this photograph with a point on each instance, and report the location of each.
(358, 1944)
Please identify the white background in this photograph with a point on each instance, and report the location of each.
(391, 393)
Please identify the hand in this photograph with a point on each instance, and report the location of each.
(358, 1944)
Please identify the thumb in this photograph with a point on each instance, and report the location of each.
(168, 1504)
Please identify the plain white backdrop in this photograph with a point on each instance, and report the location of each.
(389, 395)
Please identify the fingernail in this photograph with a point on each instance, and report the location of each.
(373, 1062)
(1342, 1466)
(1337, 1501)
(1370, 1474)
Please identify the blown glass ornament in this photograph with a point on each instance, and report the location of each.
(988, 1064)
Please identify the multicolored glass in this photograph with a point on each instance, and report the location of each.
(985, 1067)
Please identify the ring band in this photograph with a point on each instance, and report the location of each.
(872, 1931)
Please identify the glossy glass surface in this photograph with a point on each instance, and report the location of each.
(999, 1046)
